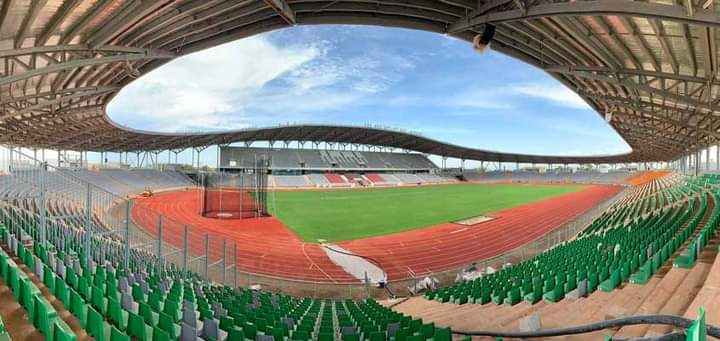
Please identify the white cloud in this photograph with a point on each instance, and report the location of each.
(555, 93)
(254, 82)
(206, 89)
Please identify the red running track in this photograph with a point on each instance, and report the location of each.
(266, 246)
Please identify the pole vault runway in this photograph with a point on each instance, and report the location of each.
(267, 247)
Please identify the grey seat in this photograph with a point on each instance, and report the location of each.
(211, 330)
(289, 322)
(128, 303)
(60, 269)
(189, 317)
(124, 285)
(347, 331)
(392, 328)
(188, 333)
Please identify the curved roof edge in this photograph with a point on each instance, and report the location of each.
(349, 134)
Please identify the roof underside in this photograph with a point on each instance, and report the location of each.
(652, 64)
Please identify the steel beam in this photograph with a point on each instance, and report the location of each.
(650, 10)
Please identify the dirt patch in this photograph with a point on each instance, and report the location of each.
(474, 220)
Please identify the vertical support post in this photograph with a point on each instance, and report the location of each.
(43, 203)
(224, 262)
(185, 250)
(237, 268)
(88, 226)
(707, 159)
(367, 285)
(160, 242)
(207, 255)
(126, 260)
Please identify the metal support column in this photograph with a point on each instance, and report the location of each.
(160, 242)
(43, 203)
(207, 255)
(707, 159)
(224, 262)
(88, 226)
(237, 267)
(126, 260)
(185, 251)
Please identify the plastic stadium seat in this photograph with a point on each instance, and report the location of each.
(78, 307)
(45, 314)
(611, 283)
(442, 334)
(160, 335)
(137, 327)
(61, 331)
(117, 335)
(96, 326)
(555, 295)
(116, 314)
(351, 337)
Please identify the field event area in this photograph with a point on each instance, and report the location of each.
(336, 215)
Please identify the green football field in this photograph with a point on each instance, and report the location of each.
(353, 214)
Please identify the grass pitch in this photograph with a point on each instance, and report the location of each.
(353, 214)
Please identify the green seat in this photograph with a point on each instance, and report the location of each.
(443, 334)
(61, 292)
(96, 326)
(61, 331)
(160, 335)
(611, 283)
(534, 296)
(401, 334)
(513, 297)
(116, 314)
(137, 327)
(78, 307)
(321, 337)
(555, 295)
(428, 330)
(300, 335)
(250, 330)
(98, 300)
(643, 274)
(377, 336)
(165, 322)
(45, 315)
(236, 333)
(351, 337)
(150, 317)
(48, 278)
(277, 333)
(117, 335)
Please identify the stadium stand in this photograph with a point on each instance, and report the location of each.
(335, 179)
(612, 177)
(628, 243)
(290, 181)
(124, 182)
(324, 160)
(151, 300)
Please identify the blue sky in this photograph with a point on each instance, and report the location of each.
(418, 81)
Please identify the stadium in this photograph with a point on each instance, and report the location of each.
(335, 231)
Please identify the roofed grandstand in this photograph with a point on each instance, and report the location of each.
(358, 232)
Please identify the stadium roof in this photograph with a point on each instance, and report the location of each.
(652, 64)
